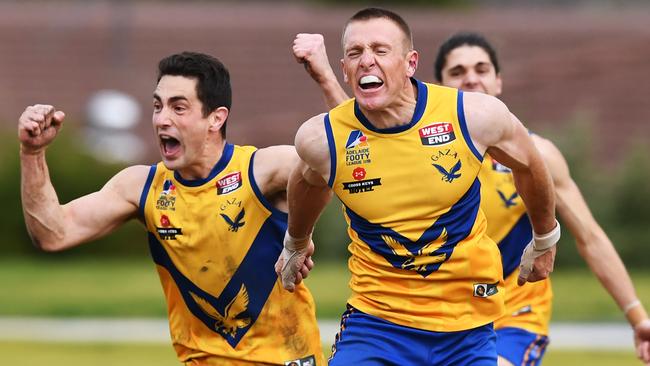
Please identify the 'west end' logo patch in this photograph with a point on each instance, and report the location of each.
(437, 134)
(229, 183)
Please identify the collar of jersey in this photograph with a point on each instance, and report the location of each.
(420, 105)
(218, 167)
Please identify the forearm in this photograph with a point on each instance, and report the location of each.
(603, 260)
(306, 202)
(333, 93)
(43, 214)
(535, 186)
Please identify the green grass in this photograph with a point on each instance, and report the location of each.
(130, 288)
(100, 354)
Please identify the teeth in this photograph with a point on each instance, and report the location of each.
(369, 79)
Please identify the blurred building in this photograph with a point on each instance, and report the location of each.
(559, 64)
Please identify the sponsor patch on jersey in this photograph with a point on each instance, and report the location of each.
(358, 173)
(166, 232)
(437, 134)
(485, 289)
(357, 149)
(306, 361)
(229, 183)
(167, 198)
(362, 185)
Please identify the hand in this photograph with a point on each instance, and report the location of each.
(38, 126)
(294, 265)
(642, 341)
(309, 49)
(540, 267)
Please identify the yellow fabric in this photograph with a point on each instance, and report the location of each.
(215, 243)
(416, 261)
(529, 306)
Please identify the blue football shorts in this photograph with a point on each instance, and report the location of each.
(371, 341)
(521, 347)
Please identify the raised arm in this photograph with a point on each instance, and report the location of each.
(594, 245)
(53, 226)
(308, 194)
(495, 130)
(309, 50)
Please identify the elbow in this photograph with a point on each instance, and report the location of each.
(47, 245)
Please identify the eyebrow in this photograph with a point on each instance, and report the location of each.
(171, 99)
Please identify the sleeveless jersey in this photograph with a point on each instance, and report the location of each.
(215, 242)
(528, 306)
(420, 256)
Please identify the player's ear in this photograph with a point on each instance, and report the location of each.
(217, 118)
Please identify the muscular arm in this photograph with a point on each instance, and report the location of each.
(307, 195)
(53, 226)
(272, 167)
(308, 191)
(309, 49)
(495, 129)
(592, 242)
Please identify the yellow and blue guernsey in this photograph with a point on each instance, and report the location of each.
(215, 242)
(529, 306)
(420, 256)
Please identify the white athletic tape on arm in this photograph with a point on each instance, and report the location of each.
(631, 306)
(546, 241)
(538, 246)
(292, 243)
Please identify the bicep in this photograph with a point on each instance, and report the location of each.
(313, 148)
(97, 214)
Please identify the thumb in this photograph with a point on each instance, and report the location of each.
(58, 116)
(524, 272)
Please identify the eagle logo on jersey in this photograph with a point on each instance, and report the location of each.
(449, 176)
(237, 223)
(508, 201)
(419, 260)
(234, 315)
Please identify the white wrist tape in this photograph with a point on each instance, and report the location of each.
(631, 306)
(546, 241)
(295, 244)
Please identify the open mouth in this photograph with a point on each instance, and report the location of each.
(170, 145)
(370, 82)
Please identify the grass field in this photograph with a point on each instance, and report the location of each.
(75, 354)
(130, 288)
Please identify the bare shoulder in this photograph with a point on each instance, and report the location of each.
(487, 118)
(129, 182)
(311, 141)
(272, 167)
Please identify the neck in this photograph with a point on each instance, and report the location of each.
(201, 168)
(398, 113)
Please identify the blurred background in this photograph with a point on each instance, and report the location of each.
(574, 71)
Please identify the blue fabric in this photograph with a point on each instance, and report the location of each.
(521, 347)
(371, 341)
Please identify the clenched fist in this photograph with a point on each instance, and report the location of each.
(38, 126)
